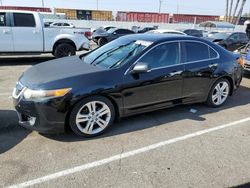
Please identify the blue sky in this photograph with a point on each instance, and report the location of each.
(210, 7)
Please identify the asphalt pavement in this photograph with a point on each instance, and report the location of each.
(168, 148)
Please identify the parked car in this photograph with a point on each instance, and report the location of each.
(24, 32)
(102, 29)
(245, 52)
(107, 36)
(62, 24)
(146, 29)
(167, 31)
(230, 40)
(130, 75)
(192, 32)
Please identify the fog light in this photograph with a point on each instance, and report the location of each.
(32, 121)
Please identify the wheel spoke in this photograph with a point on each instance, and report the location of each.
(214, 97)
(224, 86)
(89, 127)
(91, 107)
(81, 118)
(219, 99)
(224, 94)
(102, 112)
(217, 88)
(101, 123)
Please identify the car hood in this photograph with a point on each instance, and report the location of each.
(56, 70)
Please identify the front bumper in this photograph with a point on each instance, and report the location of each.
(247, 67)
(44, 117)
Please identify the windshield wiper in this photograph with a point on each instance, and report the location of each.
(125, 58)
(108, 53)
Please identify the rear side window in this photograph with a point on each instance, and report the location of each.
(24, 20)
(194, 51)
(2, 19)
(212, 53)
(124, 31)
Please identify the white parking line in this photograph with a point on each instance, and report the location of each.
(5, 94)
(124, 155)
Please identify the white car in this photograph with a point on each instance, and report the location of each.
(23, 32)
(167, 31)
(62, 24)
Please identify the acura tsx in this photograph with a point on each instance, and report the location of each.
(133, 74)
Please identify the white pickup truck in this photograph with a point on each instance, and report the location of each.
(23, 32)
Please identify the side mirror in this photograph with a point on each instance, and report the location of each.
(140, 68)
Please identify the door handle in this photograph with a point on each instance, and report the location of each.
(6, 31)
(35, 32)
(175, 73)
(213, 65)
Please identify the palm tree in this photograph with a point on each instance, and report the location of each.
(230, 10)
(226, 11)
(240, 11)
(235, 9)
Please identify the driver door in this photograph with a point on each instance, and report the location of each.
(160, 86)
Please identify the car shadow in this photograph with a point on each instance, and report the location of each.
(24, 60)
(160, 117)
(246, 185)
(11, 133)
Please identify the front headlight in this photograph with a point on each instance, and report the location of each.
(44, 94)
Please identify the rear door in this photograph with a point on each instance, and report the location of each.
(200, 62)
(5, 33)
(27, 35)
(243, 39)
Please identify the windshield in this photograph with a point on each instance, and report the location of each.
(222, 36)
(116, 53)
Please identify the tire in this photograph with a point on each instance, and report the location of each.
(102, 41)
(64, 50)
(219, 93)
(84, 121)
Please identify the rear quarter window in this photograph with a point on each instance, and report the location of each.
(2, 19)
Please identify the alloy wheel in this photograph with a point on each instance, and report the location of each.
(93, 117)
(220, 93)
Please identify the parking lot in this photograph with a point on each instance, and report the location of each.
(185, 146)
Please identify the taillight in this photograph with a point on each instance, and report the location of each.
(241, 61)
(88, 34)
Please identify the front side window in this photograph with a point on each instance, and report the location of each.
(194, 51)
(162, 55)
(24, 20)
(2, 19)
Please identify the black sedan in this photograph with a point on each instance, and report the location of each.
(230, 41)
(133, 74)
(102, 38)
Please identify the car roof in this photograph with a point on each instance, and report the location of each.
(19, 11)
(152, 37)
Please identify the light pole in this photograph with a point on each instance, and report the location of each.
(97, 4)
(43, 3)
(1, 2)
(160, 3)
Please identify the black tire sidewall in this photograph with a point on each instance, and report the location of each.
(78, 106)
(64, 45)
(102, 41)
(210, 100)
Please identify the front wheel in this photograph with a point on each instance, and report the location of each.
(92, 116)
(102, 41)
(219, 93)
(64, 50)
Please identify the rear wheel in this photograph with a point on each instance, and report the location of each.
(102, 41)
(64, 50)
(92, 116)
(219, 93)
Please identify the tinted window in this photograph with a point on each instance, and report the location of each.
(234, 37)
(2, 19)
(66, 24)
(24, 20)
(163, 55)
(243, 37)
(124, 31)
(212, 53)
(194, 51)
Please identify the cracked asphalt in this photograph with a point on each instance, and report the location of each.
(216, 159)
